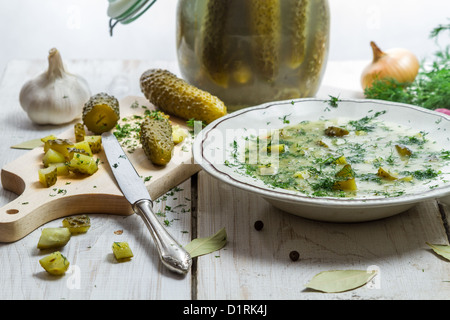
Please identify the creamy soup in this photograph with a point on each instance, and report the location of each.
(344, 158)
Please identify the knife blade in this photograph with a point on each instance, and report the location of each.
(172, 255)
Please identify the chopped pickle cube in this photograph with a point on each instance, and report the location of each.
(48, 176)
(79, 131)
(95, 143)
(267, 170)
(341, 160)
(276, 148)
(61, 168)
(346, 172)
(122, 251)
(346, 185)
(386, 175)
(59, 145)
(72, 152)
(178, 134)
(53, 238)
(302, 174)
(77, 225)
(403, 151)
(336, 132)
(55, 263)
(52, 156)
(84, 145)
(82, 163)
(322, 144)
(50, 137)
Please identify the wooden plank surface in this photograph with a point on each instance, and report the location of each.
(256, 264)
(253, 265)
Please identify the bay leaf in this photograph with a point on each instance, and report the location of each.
(202, 246)
(442, 250)
(340, 280)
(28, 145)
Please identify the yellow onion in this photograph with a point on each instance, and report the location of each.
(399, 64)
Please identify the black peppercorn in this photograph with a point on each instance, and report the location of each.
(294, 255)
(259, 225)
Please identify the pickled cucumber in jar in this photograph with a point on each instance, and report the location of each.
(248, 52)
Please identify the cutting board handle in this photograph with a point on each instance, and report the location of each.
(36, 206)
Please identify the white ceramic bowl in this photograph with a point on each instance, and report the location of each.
(213, 146)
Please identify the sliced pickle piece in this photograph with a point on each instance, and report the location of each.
(53, 238)
(79, 132)
(59, 145)
(55, 263)
(83, 164)
(52, 156)
(156, 138)
(48, 176)
(101, 113)
(122, 251)
(95, 143)
(78, 224)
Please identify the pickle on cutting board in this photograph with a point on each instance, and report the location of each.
(156, 138)
(82, 163)
(48, 176)
(101, 113)
(175, 96)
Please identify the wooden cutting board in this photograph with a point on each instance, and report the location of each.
(77, 194)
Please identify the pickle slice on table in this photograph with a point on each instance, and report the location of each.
(55, 263)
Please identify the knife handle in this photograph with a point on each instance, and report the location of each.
(172, 255)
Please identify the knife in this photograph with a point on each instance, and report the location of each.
(172, 255)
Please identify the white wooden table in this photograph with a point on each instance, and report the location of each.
(254, 264)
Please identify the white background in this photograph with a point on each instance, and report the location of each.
(79, 29)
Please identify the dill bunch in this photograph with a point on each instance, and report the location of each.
(430, 89)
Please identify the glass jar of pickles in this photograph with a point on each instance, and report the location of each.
(248, 52)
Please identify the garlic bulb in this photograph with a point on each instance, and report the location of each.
(398, 64)
(56, 96)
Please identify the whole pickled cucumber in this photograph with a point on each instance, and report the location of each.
(156, 138)
(213, 54)
(101, 113)
(298, 30)
(175, 96)
(266, 27)
(318, 48)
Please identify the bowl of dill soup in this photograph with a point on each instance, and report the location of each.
(332, 160)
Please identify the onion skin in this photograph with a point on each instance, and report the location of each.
(444, 111)
(399, 64)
